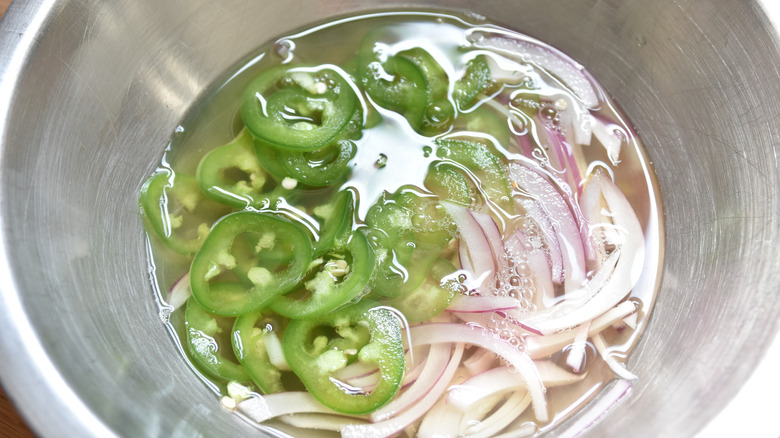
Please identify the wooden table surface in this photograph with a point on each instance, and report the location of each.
(11, 424)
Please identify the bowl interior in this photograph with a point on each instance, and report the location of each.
(93, 91)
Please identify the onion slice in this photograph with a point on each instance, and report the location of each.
(260, 408)
(476, 254)
(478, 304)
(565, 230)
(603, 291)
(449, 332)
(618, 368)
(500, 380)
(180, 292)
(399, 422)
(434, 367)
(542, 346)
(529, 50)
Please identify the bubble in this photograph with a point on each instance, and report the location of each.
(548, 112)
(381, 161)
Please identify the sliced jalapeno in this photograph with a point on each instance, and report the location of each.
(301, 109)
(485, 165)
(318, 348)
(342, 276)
(231, 174)
(218, 273)
(476, 78)
(175, 210)
(208, 341)
(322, 167)
(251, 350)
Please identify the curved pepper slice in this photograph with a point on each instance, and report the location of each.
(396, 83)
(337, 219)
(410, 82)
(231, 174)
(432, 296)
(322, 167)
(250, 344)
(488, 168)
(391, 237)
(174, 208)
(476, 78)
(208, 341)
(228, 282)
(439, 112)
(318, 348)
(301, 109)
(342, 277)
(445, 181)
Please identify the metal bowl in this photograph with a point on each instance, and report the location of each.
(92, 90)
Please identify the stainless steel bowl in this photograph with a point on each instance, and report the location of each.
(91, 91)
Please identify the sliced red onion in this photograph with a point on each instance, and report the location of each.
(542, 346)
(355, 370)
(525, 430)
(442, 420)
(479, 361)
(537, 213)
(393, 425)
(565, 229)
(568, 71)
(575, 358)
(538, 265)
(500, 380)
(315, 421)
(491, 232)
(562, 154)
(577, 120)
(607, 400)
(478, 304)
(180, 292)
(520, 360)
(618, 368)
(435, 364)
(476, 255)
(502, 417)
(274, 349)
(599, 295)
(610, 136)
(260, 408)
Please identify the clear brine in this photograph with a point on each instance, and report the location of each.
(519, 171)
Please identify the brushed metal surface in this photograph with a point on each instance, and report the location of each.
(90, 92)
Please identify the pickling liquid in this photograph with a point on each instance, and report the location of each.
(527, 107)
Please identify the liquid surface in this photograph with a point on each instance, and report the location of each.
(570, 279)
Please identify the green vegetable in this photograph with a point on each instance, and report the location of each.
(218, 276)
(337, 219)
(476, 79)
(318, 348)
(300, 109)
(175, 210)
(209, 343)
(431, 297)
(321, 167)
(410, 82)
(489, 170)
(249, 345)
(342, 276)
(231, 174)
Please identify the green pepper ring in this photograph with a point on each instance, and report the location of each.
(234, 298)
(278, 88)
